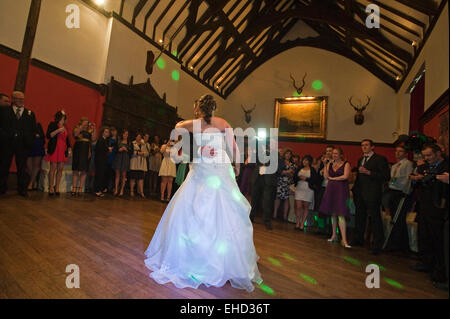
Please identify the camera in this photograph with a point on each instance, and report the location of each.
(429, 178)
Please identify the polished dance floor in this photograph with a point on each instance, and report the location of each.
(106, 238)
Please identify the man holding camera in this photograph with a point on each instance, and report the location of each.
(432, 212)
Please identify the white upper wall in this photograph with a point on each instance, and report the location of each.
(79, 51)
(13, 21)
(341, 79)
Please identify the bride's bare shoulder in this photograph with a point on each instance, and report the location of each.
(187, 124)
(220, 123)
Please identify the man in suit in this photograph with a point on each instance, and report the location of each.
(17, 133)
(373, 172)
(432, 213)
(264, 186)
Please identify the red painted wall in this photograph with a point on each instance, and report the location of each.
(351, 152)
(431, 128)
(46, 93)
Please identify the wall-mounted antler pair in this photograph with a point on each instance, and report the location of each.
(248, 113)
(298, 89)
(151, 60)
(359, 116)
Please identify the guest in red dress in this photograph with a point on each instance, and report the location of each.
(58, 151)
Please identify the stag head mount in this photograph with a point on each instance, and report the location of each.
(359, 116)
(298, 89)
(248, 113)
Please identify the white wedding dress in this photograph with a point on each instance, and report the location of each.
(205, 235)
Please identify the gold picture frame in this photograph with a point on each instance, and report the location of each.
(301, 117)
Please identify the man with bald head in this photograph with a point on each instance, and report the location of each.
(17, 133)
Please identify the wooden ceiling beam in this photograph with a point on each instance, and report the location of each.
(137, 9)
(161, 16)
(399, 13)
(428, 7)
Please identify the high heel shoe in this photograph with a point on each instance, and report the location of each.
(345, 245)
(332, 240)
(142, 196)
(51, 192)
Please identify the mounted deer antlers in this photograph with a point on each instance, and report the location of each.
(298, 89)
(151, 60)
(359, 116)
(248, 113)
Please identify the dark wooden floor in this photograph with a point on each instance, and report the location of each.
(107, 238)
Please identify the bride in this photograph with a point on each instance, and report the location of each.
(205, 235)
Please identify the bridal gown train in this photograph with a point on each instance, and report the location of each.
(205, 235)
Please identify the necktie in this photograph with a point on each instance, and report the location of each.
(18, 113)
(365, 160)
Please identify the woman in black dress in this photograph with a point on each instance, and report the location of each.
(121, 163)
(83, 134)
(102, 149)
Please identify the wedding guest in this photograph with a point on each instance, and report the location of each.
(4, 100)
(399, 186)
(373, 172)
(335, 201)
(245, 184)
(284, 181)
(155, 163)
(110, 173)
(167, 171)
(58, 150)
(121, 163)
(34, 161)
(82, 153)
(17, 134)
(138, 165)
(148, 148)
(102, 150)
(306, 180)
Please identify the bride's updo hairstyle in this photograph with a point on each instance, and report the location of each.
(207, 105)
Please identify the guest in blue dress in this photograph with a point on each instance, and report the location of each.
(335, 201)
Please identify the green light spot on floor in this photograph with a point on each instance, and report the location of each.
(316, 218)
(213, 182)
(175, 53)
(175, 75)
(274, 261)
(161, 63)
(317, 85)
(352, 261)
(295, 94)
(308, 279)
(393, 283)
(379, 266)
(288, 257)
(266, 289)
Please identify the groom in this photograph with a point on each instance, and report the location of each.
(264, 185)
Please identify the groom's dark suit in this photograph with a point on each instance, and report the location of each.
(367, 192)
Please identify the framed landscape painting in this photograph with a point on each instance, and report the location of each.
(301, 117)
